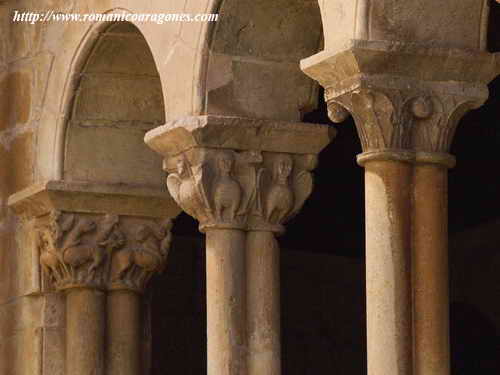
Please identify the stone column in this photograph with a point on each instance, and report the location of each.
(430, 266)
(406, 106)
(284, 183)
(263, 303)
(102, 262)
(130, 269)
(388, 266)
(73, 250)
(240, 178)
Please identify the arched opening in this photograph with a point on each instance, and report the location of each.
(118, 98)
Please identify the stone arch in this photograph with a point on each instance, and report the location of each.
(178, 50)
(114, 98)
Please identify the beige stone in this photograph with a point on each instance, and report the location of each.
(425, 22)
(406, 88)
(20, 168)
(85, 251)
(236, 175)
(76, 99)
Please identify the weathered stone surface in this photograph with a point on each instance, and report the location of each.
(246, 65)
(21, 162)
(218, 167)
(444, 24)
(240, 134)
(123, 149)
(395, 59)
(403, 97)
(133, 99)
(38, 200)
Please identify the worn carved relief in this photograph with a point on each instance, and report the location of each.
(284, 184)
(402, 119)
(144, 255)
(226, 188)
(214, 186)
(79, 250)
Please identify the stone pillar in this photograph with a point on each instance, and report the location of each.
(263, 303)
(124, 329)
(102, 262)
(406, 106)
(226, 308)
(241, 178)
(388, 265)
(130, 269)
(85, 331)
(284, 184)
(430, 264)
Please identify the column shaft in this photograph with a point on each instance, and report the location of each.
(430, 271)
(263, 304)
(226, 305)
(124, 333)
(85, 322)
(388, 267)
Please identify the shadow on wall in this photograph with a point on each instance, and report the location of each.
(475, 345)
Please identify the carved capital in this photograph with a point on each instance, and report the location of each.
(284, 182)
(213, 185)
(101, 251)
(144, 254)
(246, 174)
(420, 120)
(96, 235)
(241, 189)
(406, 98)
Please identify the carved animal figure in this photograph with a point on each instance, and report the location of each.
(149, 256)
(227, 191)
(49, 259)
(50, 238)
(108, 237)
(183, 188)
(76, 254)
(280, 197)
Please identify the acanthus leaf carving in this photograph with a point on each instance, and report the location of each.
(402, 119)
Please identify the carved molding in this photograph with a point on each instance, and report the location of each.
(101, 251)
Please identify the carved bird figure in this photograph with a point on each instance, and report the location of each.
(227, 191)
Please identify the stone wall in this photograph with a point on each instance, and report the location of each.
(26, 319)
